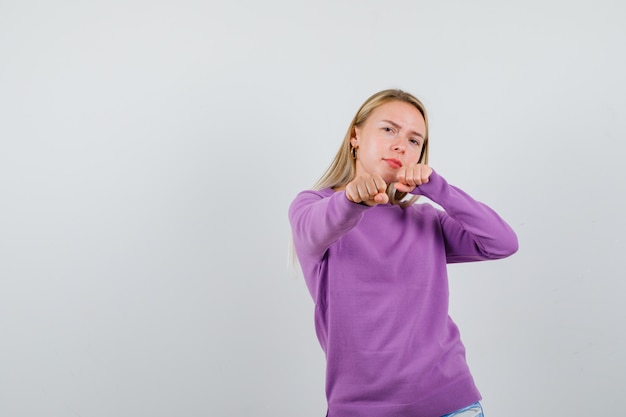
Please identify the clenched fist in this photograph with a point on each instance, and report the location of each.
(412, 176)
(369, 189)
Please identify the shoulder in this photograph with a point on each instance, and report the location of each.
(324, 192)
(308, 195)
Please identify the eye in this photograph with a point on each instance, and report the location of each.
(415, 142)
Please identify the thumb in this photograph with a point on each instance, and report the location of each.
(381, 198)
(403, 187)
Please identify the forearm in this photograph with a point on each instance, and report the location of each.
(472, 229)
(317, 222)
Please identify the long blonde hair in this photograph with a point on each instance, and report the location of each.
(343, 167)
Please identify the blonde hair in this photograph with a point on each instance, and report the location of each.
(343, 167)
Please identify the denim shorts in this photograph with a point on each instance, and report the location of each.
(474, 410)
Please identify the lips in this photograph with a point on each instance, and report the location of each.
(393, 163)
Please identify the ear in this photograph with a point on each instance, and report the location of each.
(354, 140)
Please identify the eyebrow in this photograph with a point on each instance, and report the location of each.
(397, 126)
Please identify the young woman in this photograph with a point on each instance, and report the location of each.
(375, 265)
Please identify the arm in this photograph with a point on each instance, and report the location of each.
(472, 231)
(318, 221)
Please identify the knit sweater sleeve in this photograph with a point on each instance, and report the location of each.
(317, 221)
(472, 230)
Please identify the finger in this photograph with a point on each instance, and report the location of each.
(364, 194)
(417, 174)
(403, 187)
(401, 175)
(352, 194)
(380, 184)
(412, 176)
(372, 189)
(426, 172)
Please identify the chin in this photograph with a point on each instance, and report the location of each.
(388, 175)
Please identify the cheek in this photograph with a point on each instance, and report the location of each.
(373, 146)
(415, 156)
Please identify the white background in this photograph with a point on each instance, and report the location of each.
(150, 149)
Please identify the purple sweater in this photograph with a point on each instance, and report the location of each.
(378, 278)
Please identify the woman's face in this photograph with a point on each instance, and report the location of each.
(390, 138)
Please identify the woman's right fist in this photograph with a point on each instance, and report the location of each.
(367, 189)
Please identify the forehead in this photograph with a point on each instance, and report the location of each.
(404, 114)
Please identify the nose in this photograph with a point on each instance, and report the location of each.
(398, 146)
